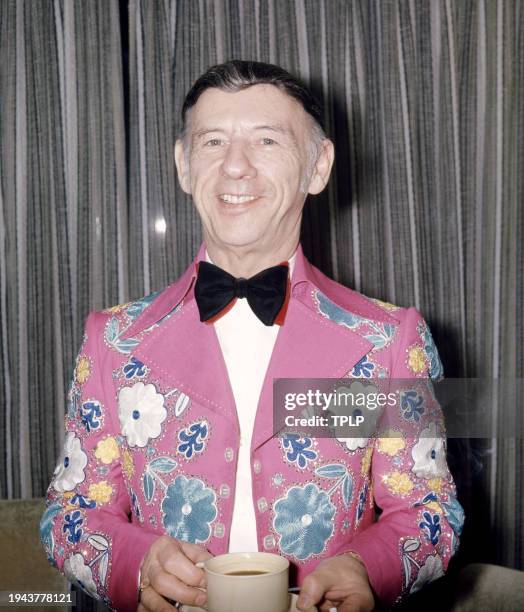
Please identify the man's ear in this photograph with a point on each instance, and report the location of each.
(322, 168)
(182, 166)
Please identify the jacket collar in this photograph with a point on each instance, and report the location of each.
(185, 353)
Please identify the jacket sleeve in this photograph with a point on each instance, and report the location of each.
(421, 520)
(88, 529)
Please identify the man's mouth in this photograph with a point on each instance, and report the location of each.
(231, 198)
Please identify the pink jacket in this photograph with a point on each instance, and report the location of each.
(152, 437)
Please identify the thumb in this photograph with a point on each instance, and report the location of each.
(194, 552)
(311, 592)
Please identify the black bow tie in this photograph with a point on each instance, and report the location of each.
(266, 292)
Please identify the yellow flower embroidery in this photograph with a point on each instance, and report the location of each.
(386, 305)
(392, 444)
(100, 492)
(83, 369)
(417, 359)
(434, 506)
(118, 308)
(127, 464)
(435, 484)
(399, 483)
(366, 461)
(107, 450)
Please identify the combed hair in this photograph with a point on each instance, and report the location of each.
(236, 75)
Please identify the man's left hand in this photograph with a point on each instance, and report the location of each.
(339, 582)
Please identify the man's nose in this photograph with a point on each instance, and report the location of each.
(237, 162)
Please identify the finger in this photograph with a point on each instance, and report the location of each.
(355, 603)
(170, 586)
(151, 601)
(311, 592)
(183, 568)
(194, 552)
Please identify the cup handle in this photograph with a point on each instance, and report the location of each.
(200, 564)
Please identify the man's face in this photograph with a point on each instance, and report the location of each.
(249, 167)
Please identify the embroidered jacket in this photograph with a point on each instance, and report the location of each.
(152, 438)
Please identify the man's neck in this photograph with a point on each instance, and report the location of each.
(247, 264)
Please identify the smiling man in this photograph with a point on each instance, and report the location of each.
(170, 455)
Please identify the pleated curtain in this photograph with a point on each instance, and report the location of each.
(425, 103)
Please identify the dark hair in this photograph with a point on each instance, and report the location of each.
(236, 75)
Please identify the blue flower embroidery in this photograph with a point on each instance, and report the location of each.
(436, 370)
(72, 524)
(46, 530)
(192, 439)
(135, 309)
(188, 509)
(412, 405)
(303, 520)
(336, 314)
(90, 415)
(135, 506)
(82, 501)
(298, 449)
(454, 513)
(361, 502)
(133, 368)
(364, 368)
(432, 525)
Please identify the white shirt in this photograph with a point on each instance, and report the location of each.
(247, 345)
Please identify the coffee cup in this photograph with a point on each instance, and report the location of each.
(254, 581)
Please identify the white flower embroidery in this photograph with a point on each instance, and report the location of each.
(429, 454)
(431, 570)
(141, 412)
(77, 571)
(70, 469)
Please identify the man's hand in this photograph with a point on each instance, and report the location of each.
(339, 582)
(168, 572)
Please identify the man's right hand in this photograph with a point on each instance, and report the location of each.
(168, 571)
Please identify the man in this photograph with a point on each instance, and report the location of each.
(170, 455)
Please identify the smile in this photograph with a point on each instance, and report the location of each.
(236, 199)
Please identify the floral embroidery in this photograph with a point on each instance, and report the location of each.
(70, 469)
(141, 412)
(127, 464)
(381, 334)
(46, 530)
(72, 523)
(161, 465)
(431, 524)
(363, 368)
(331, 311)
(135, 309)
(107, 450)
(431, 570)
(387, 306)
(366, 461)
(116, 309)
(134, 368)
(82, 501)
(430, 502)
(361, 503)
(83, 369)
(454, 514)
(343, 478)
(77, 571)
(135, 507)
(435, 484)
(303, 521)
(114, 336)
(417, 360)
(189, 508)
(429, 454)
(298, 450)
(399, 483)
(411, 405)
(101, 492)
(409, 545)
(436, 370)
(193, 439)
(90, 415)
(392, 442)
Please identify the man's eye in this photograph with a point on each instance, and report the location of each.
(268, 141)
(214, 142)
